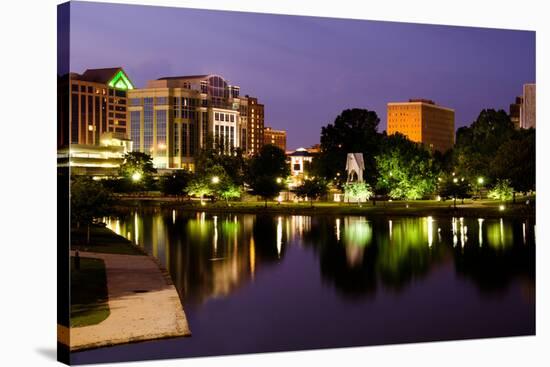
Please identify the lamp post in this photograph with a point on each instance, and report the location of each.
(480, 181)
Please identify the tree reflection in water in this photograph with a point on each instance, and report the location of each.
(211, 256)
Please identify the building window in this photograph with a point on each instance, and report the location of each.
(162, 100)
(184, 140)
(135, 101)
(147, 124)
(135, 117)
(161, 130)
(176, 143)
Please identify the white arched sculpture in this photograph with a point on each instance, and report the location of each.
(355, 167)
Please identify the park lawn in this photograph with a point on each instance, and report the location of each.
(89, 294)
(102, 240)
(480, 208)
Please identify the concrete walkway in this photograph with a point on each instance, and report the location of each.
(144, 305)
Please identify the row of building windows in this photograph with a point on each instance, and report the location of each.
(218, 116)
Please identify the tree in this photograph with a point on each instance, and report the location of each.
(174, 183)
(406, 169)
(266, 186)
(312, 188)
(137, 167)
(478, 143)
(211, 156)
(353, 131)
(89, 200)
(267, 172)
(199, 186)
(360, 191)
(455, 188)
(501, 191)
(229, 190)
(515, 161)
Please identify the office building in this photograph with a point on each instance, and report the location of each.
(256, 125)
(515, 112)
(423, 121)
(92, 120)
(275, 137)
(529, 108)
(523, 111)
(173, 117)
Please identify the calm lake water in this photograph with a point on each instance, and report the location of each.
(260, 283)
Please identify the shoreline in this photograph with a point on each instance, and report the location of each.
(138, 287)
(483, 209)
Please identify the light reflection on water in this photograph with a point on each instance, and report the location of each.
(261, 283)
(210, 255)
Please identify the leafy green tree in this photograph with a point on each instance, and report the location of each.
(515, 161)
(312, 188)
(478, 143)
(502, 190)
(199, 186)
(405, 169)
(174, 183)
(137, 167)
(89, 200)
(359, 191)
(228, 191)
(353, 131)
(267, 172)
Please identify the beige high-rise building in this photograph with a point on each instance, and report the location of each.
(173, 117)
(423, 121)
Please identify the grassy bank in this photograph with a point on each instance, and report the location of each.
(477, 208)
(88, 293)
(102, 240)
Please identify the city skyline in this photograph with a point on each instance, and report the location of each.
(306, 70)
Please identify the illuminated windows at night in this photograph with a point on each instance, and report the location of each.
(147, 124)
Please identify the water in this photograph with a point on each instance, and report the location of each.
(260, 283)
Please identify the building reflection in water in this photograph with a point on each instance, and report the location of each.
(211, 256)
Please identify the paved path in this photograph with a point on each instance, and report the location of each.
(143, 303)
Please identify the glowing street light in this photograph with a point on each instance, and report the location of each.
(279, 180)
(501, 208)
(480, 180)
(215, 180)
(136, 176)
(455, 180)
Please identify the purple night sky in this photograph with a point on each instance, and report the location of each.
(306, 70)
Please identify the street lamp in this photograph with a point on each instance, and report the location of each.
(480, 182)
(136, 176)
(279, 180)
(215, 180)
(455, 180)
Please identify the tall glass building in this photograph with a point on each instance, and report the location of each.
(173, 117)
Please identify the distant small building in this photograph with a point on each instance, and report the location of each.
(299, 160)
(423, 121)
(275, 137)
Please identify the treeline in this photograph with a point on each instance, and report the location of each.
(490, 154)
